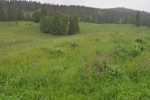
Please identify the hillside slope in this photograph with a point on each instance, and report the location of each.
(102, 62)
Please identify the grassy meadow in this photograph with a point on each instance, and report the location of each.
(101, 62)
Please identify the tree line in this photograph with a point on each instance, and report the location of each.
(11, 10)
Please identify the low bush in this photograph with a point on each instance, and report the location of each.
(56, 52)
(121, 50)
(100, 69)
(138, 40)
(74, 45)
(135, 50)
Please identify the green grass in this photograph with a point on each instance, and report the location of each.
(102, 62)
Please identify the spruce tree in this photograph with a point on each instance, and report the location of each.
(28, 17)
(73, 25)
(148, 24)
(64, 25)
(56, 28)
(44, 12)
(137, 20)
(45, 24)
(36, 16)
(11, 14)
(2, 14)
(20, 15)
(76, 22)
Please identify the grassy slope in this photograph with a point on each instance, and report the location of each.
(36, 66)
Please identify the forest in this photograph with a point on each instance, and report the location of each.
(15, 10)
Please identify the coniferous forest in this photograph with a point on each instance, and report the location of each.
(15, 10)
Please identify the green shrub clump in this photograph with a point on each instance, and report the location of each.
(135, 50)
(132, 50)
(74, 45)
(56, 52)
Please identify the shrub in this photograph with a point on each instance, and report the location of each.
(138, 40)
(74, 45)
(100, 69)
(132, 50)
(135, 50)
(121, 50)
(56, 52)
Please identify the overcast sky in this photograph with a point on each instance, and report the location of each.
(133, 4)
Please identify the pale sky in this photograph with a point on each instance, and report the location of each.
(133, 4)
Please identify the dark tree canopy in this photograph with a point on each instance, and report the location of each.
(2, 14)
(137, 19)
(11, 14)
(36, 16)
(45, 24)
(24, 10)
(20, 15)
(59, 25)
(73, 25)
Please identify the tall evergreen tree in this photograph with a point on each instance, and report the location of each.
(27, 17)
(137, 19)
(148, 24)
(45, 24)
(11, 14)
(20, 15)
(44, 12)
(56, 28)
(76, 22)
(64, 25)
(2, 14)
(73, 25)
(36, 16)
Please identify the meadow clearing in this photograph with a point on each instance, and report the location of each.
(101, 62)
